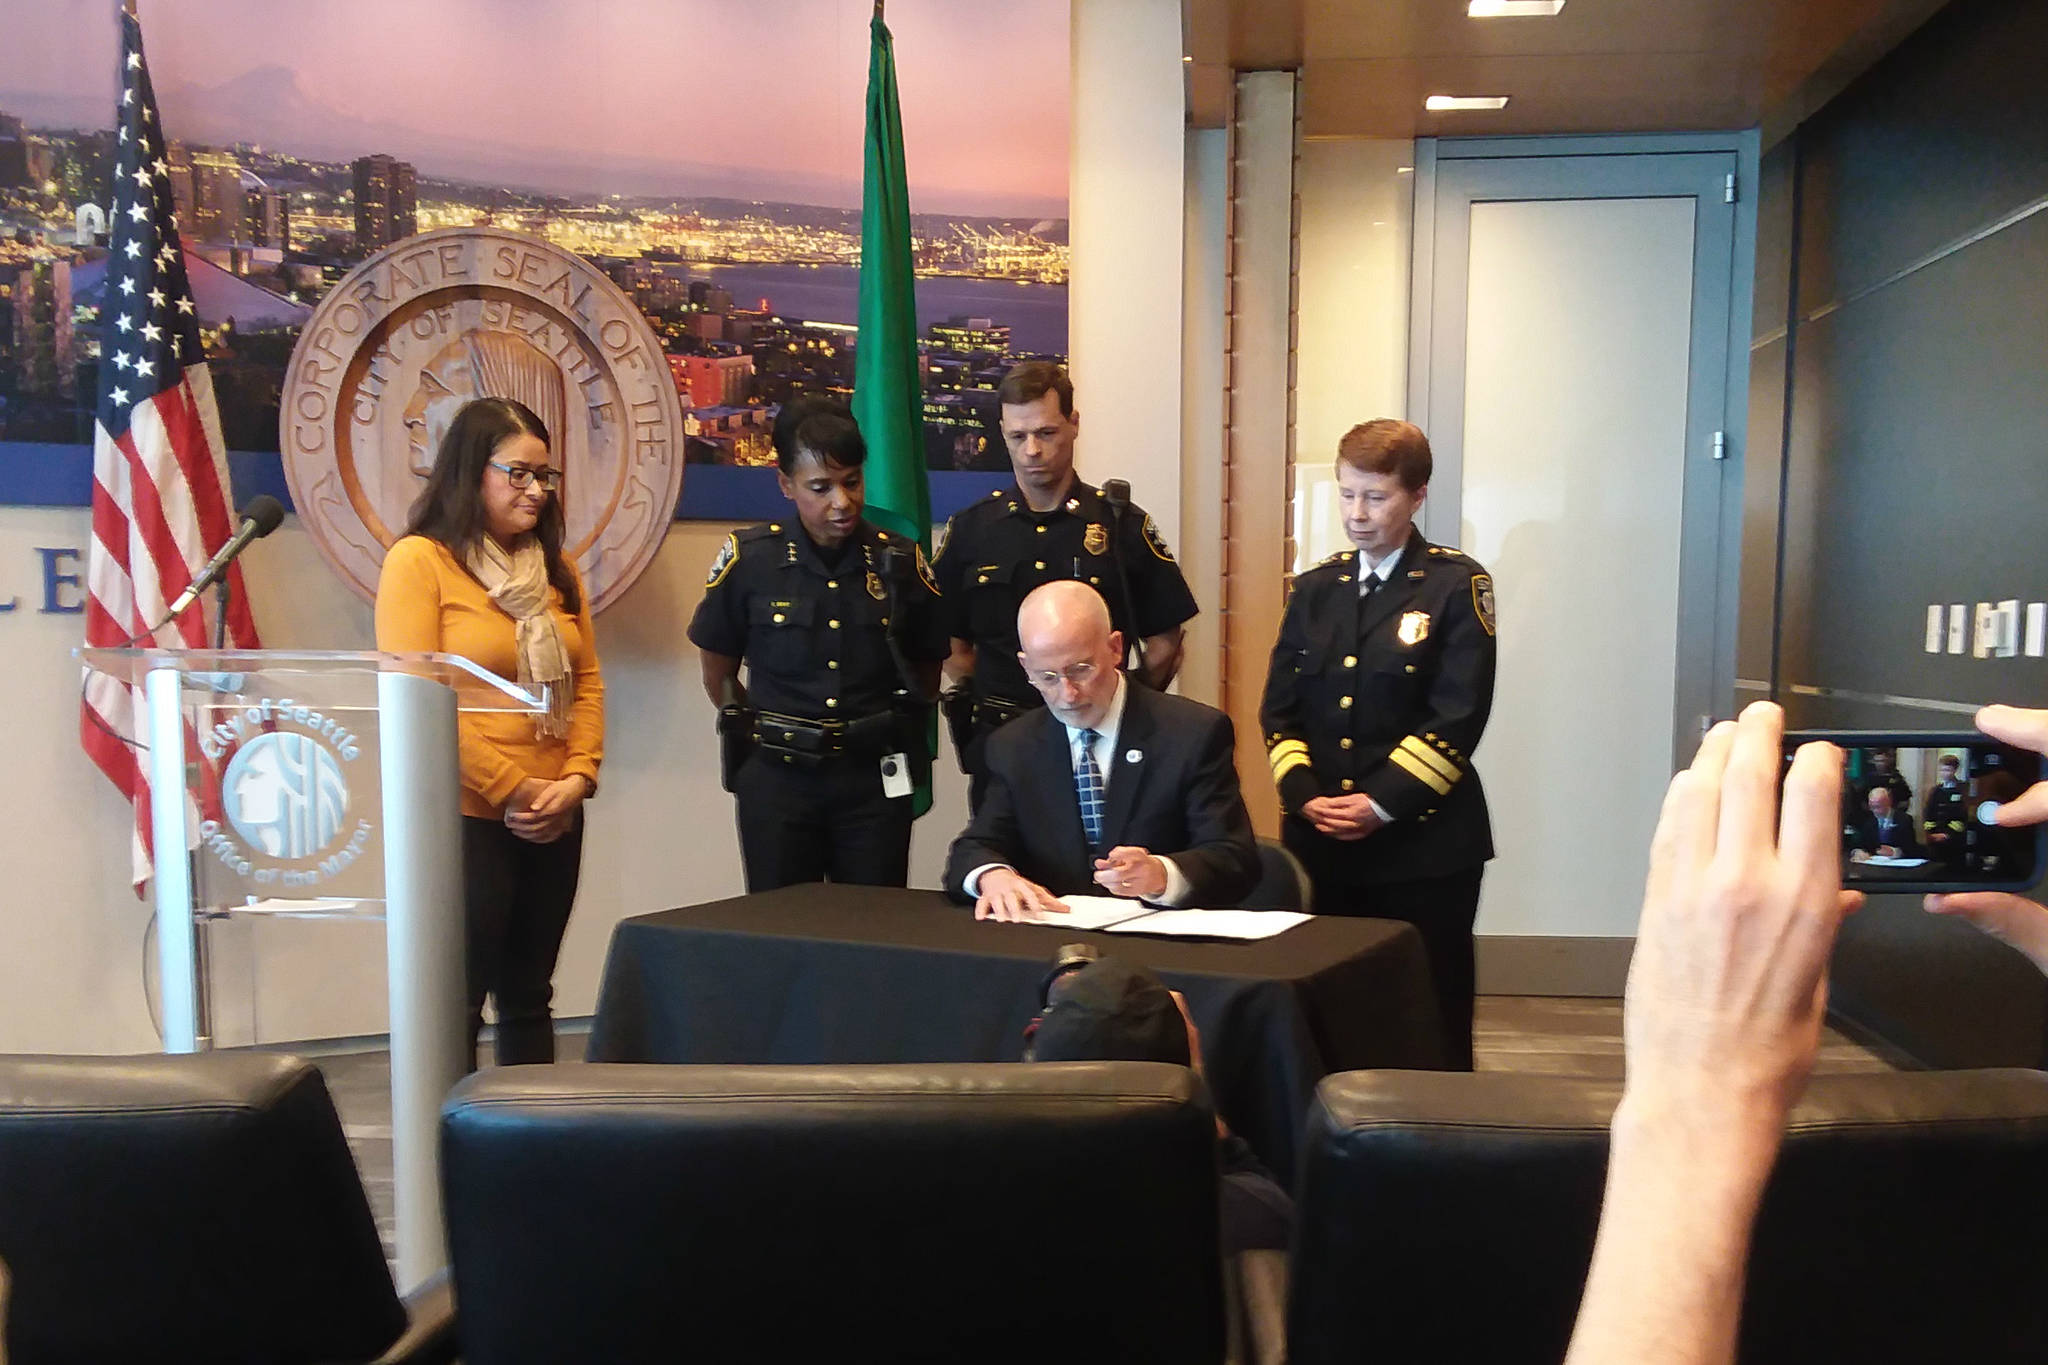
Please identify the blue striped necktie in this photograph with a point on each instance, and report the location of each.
(1088, 786)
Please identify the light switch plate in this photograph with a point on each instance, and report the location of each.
(2008, 639)
(1934, 629)
(2037, 629)
(1985, 623)
(1958, 627)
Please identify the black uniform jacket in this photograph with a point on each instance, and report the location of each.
(1178, 798)
(1947, 813)
(1387, 697)
(997, 550)
(814, 634)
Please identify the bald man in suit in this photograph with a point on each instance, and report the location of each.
(1111, 789)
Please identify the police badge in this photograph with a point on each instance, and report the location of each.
(1155, 541)
(1482, 600)
(1414, 627)
(720, 566)
(1096, 539)
(875, 586)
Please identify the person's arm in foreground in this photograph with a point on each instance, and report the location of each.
(1725, 1000)
(2014, 919)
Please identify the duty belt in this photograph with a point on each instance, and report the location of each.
(807, 738)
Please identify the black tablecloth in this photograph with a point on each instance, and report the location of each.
(827, 974)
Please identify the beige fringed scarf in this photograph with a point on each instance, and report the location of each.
(517, 582)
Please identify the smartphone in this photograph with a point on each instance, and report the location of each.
(1918, 808)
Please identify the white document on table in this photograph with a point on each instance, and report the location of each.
(1879, 860)
(1092, 912)
(1239, 924)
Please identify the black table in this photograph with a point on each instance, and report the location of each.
(829, 974)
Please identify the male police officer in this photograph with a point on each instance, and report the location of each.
(1378, 691)
(1944, 820)
(1049, 525)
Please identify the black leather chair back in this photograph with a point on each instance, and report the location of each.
(1451, 1217)
(1001, 1212)
(184, 1209)
(1283, 882)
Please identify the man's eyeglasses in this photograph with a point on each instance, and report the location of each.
(524, 475)
(1080, 675)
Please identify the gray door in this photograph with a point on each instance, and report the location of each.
(1571, 368)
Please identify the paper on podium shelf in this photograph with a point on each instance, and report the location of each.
(1248, 925)
(1879, 860)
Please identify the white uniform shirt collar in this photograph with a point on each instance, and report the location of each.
(1384, 571)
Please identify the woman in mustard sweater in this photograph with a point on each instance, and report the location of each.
(480, 573)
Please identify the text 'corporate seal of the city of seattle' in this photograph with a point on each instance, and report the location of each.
(424, 326)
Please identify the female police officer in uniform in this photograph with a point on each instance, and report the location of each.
(837, 622)
(1378, 691)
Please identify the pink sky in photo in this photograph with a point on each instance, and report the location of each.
(744, 98)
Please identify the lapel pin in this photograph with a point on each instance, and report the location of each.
(1132, 756)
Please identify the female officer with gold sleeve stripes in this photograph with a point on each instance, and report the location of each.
(842, 643)
(1377, 694)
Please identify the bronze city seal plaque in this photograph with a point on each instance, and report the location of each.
(436, 320)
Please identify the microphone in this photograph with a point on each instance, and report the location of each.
(1117, 493)
(259, 519)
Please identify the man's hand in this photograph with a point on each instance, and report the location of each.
(2013, 919)
(1008, 897)
(1721, 1024)
(1342, 817)
(1128, 871)
(1729, 981)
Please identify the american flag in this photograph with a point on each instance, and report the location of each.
(160, 499)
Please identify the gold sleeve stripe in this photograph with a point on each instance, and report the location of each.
(1287, 758)
(1283, 748)
(1443, 765)
(1421, 771)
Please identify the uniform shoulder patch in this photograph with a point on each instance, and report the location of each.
(1482, 601)
(728, 555)
(924, 570)
(1156, 542)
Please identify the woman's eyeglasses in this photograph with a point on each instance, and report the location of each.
(525, 475)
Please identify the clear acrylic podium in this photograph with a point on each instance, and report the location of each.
(321, 784)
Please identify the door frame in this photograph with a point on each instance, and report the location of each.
(1451, 174)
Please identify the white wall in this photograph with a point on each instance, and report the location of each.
(1351, 343)
(1126, 219)
(71, 933)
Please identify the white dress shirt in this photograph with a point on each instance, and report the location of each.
(1106, 729)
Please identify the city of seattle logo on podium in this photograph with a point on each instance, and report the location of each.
(433, 321)
(285, 795)
(290, 817)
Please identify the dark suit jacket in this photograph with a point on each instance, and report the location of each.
(1862, 832)
(1179, 800)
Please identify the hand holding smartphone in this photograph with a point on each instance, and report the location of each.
(1919, 811)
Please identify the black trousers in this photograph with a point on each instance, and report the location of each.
(516, 898)
(828, 823)
(1442, 909)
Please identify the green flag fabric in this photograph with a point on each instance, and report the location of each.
(888, 392)
(888, 388)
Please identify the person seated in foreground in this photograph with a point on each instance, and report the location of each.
(1726, 997)
(1108, 1010)
(1112, 788)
